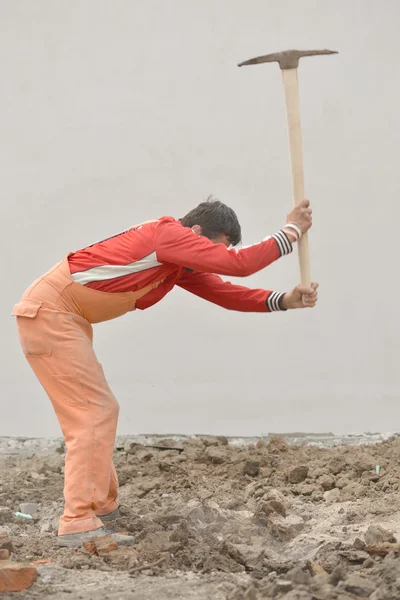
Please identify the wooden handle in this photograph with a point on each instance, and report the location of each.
(291, 88)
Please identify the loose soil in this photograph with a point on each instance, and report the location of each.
(262, 521)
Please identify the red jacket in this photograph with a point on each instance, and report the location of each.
(164, 252)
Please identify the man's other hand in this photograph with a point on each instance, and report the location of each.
(301, 297)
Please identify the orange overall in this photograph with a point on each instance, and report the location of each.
(54, 325)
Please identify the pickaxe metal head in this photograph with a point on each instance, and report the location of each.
(289, 59)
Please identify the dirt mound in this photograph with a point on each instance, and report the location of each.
(283, 521)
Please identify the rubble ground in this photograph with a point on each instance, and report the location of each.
(212, 520)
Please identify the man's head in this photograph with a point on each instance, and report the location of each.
(216, 221)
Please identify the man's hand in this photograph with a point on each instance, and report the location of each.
(301, 297)
(301, 216)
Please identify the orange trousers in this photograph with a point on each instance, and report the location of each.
(54, 320)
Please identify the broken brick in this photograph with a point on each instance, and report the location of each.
(41, 561)
(104, 544)
(89, 547)
(15, 577)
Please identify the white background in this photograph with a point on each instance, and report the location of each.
(117, 111)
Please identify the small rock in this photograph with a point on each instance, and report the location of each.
(317, 496)
(298, 474)
(215, 441)
(338, 574)
(252, 556)
(168, 443)
(252, 489)
(4, 554)
(193, 449)
(147, 486)
(207, 494)
(342, 482)
(376, 534)
(194, 512)
(275, 506)
(366, 477)
(215, 513)
(332, 496)
(15, 577)
(52, 464)
(5, 542)
(365, 463)
(326, 482)
(368, 563)
(46, 528)
(223, 440)
(277, 444)
(131, 447)
(353, 490)
(305, 489)
(282, 586)
(216, 454)
(61, 448)
(336, 465)
(6, 515)
(359, 586)
(354, 556)
(317, 472)
(264, 509)
(277, 496)
(266, 472)
(351, 516)
(252, 468)
(261, 445)
(250, 594)
(285, 529)
(144, 455)
(359, 544)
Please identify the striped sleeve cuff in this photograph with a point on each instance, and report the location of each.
(274, 301)
(284, 244)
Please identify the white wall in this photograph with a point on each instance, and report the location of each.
(116, 111)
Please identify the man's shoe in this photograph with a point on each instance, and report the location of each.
(115, 514)
(77, 539)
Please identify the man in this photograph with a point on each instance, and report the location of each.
(131, 270)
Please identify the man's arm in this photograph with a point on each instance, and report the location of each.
(237, 297)
(233, 297)
(181, 246)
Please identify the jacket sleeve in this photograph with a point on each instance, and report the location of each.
(181, 246)
(233, 297)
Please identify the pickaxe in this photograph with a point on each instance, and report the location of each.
(288, 62)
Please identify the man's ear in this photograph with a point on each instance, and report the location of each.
(197, 229)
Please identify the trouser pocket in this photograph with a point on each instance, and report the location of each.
(32, 335)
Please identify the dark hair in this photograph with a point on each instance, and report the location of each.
(214, 218)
